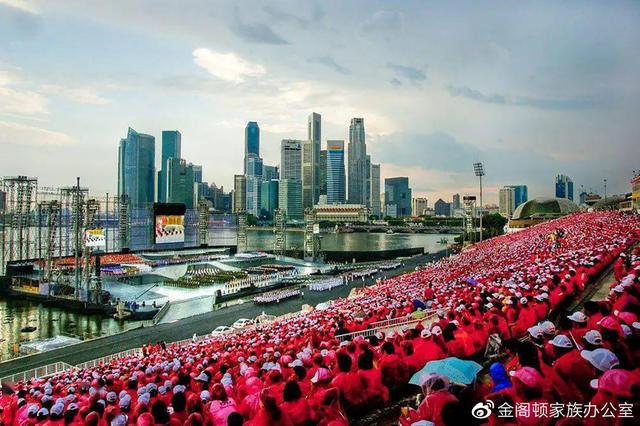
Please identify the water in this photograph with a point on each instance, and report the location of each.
(16, 314)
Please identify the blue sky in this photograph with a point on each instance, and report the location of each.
(531, 88)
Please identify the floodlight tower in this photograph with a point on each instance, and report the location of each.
(478, 168)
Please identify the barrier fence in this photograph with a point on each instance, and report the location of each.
(388, 326)
(44, 371)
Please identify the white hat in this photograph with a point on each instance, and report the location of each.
(561, 341)
(578, 316)
(57, 409)
(636, 325)
(523, 300)
(626, 330)
(425, 333)
(594, 337)
(436, 330)
(205, 396)
(535, 331)
(602, 359)
(548, 327)
(618, 289)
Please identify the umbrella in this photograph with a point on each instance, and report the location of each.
(471, 281)
(457, 370)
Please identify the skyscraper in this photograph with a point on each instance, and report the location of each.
(291, 159)
(308, 175)
(507, 201)
(564, 187)
(323, 172)
(335, 172)
(314, 134)
(357, 165)
(419, 206)
(375, 190)
(521, 194)
(180, 182)
(268, 198)
(270, 172)
(136, 168)
(397, 195)
(290, 198)
(171, 148)
(239, 193)
(251, 141)
(456, 202)
(252, 203)
(254, 166)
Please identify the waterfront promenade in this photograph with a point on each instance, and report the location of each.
(185, 328)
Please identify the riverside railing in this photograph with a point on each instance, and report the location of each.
(44, 371)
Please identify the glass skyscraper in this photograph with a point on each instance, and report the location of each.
(180, 182)
(136, 168)
(268, 198)
(398, 194)
(335, 172)
(564, 187)
(358, 169)
(171, 148)
(521, 194)
(251, 142)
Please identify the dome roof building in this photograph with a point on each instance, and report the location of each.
(540, 210)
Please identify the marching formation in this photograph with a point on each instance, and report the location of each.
(494, 300)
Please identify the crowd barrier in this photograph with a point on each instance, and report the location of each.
(44, 371)
(388, 326)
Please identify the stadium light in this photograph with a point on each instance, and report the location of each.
(478, 168)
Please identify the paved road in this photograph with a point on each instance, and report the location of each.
(183, 329)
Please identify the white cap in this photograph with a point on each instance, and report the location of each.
(594, 337)
(523, 300)
(618, 289)
(548, 327)
(436, 330)
(535, 331)
(626, 330)
(425, 333)
(602, 359)
(561, 341)
(578, 316)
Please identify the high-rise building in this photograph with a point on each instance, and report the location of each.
(564, 187)
(375, 190)
(197, 173)
(251, 141)
(507, 201)
(180, 182)
(314, 134)
(398, 196)
(291, 159)
(239, 193)
(171, 148)
(268, 198)
(420, 206)
(136, 168)
(456, 202)
(357, 163)
(290, 198)
(335, 172)
(521, 194)
(442, 208)
(323, 172)
(270, 172)
(253, 185)
(308, 175)
(254, 166)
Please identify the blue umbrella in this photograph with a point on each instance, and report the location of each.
(457, 370)
(471, 281)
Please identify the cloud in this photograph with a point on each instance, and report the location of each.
(382, 20)
(329, 62)
(82, 95)
(22, 101)
(395, 82)
(412, 74)
(575, 103)
(23, 5)
(278, 15)
(256, 32)
(226, 66)
(21, 134)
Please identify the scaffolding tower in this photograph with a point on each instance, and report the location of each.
(279, 229)
(51, 211)
(311, 231)
(20, 196)
(123, 221)
(242, 231)
(203, 222)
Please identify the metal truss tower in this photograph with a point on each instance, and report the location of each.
(310, 231)
(242, 231)
(279, 229)
(203, 222)
(20, 196)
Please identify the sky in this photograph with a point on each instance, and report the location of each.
(532, 88)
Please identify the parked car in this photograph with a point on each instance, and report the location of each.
(242, 323)
(219, 331)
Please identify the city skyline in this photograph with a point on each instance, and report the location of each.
(527, 110)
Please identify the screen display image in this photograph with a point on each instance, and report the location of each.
(169, 223)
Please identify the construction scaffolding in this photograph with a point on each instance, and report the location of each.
(279, 229)
(20, 196)
(203, 222)
(311, 231)
(242, 231)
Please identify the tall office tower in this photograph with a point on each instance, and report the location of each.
(323, 172)
(308, 184)
(419, 206)
(314, 134)
(521, 194)
(251, 142)
(375, 190)
(254, 166)
(171, 148)
(507, 201)
(136, 168)
(336, 181)
(398, 196)
(357, 163)
(254, 185)
(268, 198)
(456, 202)
(197, 173)
(180, 182)
(564, 187)
(239, 193)
(290, 198)
(270, 173)
(291, 159)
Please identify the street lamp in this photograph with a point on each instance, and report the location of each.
(478, 168)
(605, 190)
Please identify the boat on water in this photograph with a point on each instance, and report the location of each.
(443, 241)
(390, 231)
(28, 329)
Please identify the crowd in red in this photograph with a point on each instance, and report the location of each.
(295, 371)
